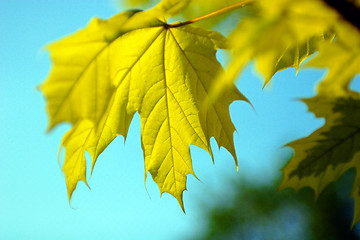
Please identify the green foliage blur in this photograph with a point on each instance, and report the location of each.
(252, 211)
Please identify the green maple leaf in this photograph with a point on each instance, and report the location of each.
(162, 73)
(330, 151)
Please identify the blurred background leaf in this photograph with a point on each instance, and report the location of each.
(259, 211)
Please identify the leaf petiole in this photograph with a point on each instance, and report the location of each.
(212, 14)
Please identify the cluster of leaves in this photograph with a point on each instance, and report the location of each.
(168, 73)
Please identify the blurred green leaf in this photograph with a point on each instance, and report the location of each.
(325, 155)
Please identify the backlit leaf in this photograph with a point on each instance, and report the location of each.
(79, 84)
(165, 74)
(280, 35)
(342, 58)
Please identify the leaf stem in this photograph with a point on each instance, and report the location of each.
(212, 14)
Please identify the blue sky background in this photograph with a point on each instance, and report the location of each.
(33, 199)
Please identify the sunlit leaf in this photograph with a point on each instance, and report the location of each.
(79, 84)
(342, 58)
(280, 35)
(165, 75)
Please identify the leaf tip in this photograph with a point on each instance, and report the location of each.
(69, 194)
(267, 80)
(181, 202)
(92, 166)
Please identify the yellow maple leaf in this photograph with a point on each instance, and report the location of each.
(342, 58)
(280, 35)
(79, 84)
(163, 73)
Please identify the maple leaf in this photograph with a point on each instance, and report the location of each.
(164, 74)
(342, 58)
(291, 57)
(279, 35)
(79, 84)
(330, 151)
